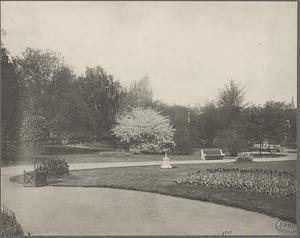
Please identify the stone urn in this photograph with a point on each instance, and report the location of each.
(166, 163)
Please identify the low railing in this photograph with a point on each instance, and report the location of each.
(35, 178)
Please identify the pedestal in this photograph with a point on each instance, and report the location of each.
(166, 163)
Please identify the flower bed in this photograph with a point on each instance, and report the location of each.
(269, 182)
(54, 167)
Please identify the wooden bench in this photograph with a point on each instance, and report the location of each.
(212, 154)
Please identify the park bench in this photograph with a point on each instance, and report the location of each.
(212, 154)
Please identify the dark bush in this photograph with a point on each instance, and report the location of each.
(9, 224)
(183, 145)
(55, 167)
(231, 140)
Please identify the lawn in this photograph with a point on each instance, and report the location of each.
(26, 156)
(95, 157)
(154, 179)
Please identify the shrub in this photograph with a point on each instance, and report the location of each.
(183, 145)
(231, 140)
(271, 183)
(245, 157)
(9, 150)
(55, 167)
(9, 224)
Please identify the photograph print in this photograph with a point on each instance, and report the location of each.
(148, 118)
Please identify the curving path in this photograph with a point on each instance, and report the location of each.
(103, 211)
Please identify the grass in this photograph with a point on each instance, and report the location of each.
(99, 157)
(154, 179)
(26, 156)
(99, 154)
(67, 150)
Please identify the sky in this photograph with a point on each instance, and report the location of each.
(189, 50)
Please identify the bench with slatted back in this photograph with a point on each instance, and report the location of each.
(212, 154)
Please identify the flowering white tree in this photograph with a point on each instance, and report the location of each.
(145, 130)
